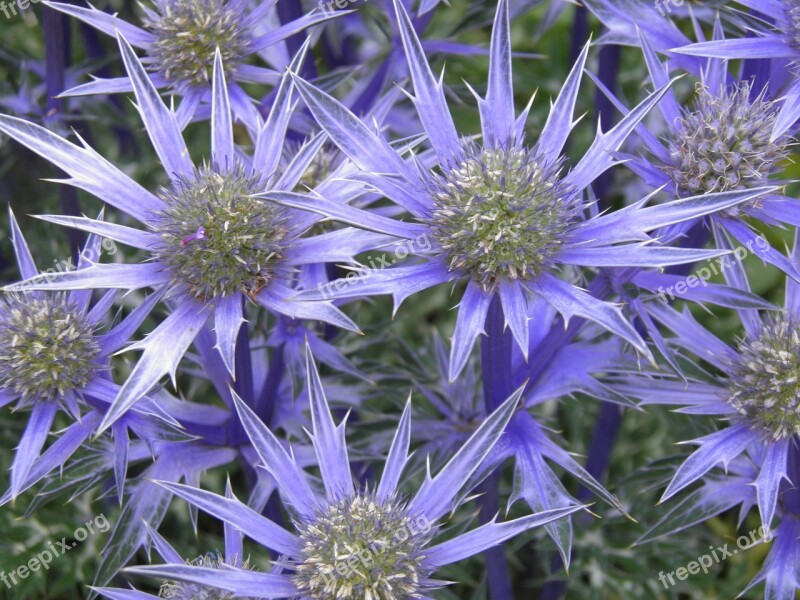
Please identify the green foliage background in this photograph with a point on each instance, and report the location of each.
(605, 564)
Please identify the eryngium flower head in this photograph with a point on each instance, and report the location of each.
(724, 143)
(187, 34)
(176, 590)
(352, 544)
(48, 346)
(361, 547)
(501, 213)
(218, 239)
(765, 384)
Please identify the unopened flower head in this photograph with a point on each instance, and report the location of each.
(187, 34)
(218, 239)
(724, 143)
(176, 590)
(49, 347)
(360, 548)
(502, 213)
(765, 387)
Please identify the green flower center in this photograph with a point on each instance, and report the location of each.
(765, 387)
(361, 549)
(48, 346)
(501, 214)
(724, 144)
(187, 34)
(218, 239)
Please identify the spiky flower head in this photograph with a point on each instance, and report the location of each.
(765, 385)
(187, 34)
(501, 213)
(48, 346)
(218, 238)
(362, 549)
(724, 143)
(175, 590)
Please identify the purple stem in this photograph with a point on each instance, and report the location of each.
(496, 366)
(244, 366)
(338, 50)
(288, 11)
(265, 405)
(791, 495)
(57, 49)
(580, 33)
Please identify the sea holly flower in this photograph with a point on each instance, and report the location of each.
(394, 536)
(55, 356)
(212, 244)
(181, 38)
(777, 40)
(501, 214)
(725, 141)
(756, 391)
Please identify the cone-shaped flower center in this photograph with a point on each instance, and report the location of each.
(218, 239)
(187, 34)
(724, 144)
(48, 346)
(360, 549)
(501, 214)
(765, 387)
(176, 590)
